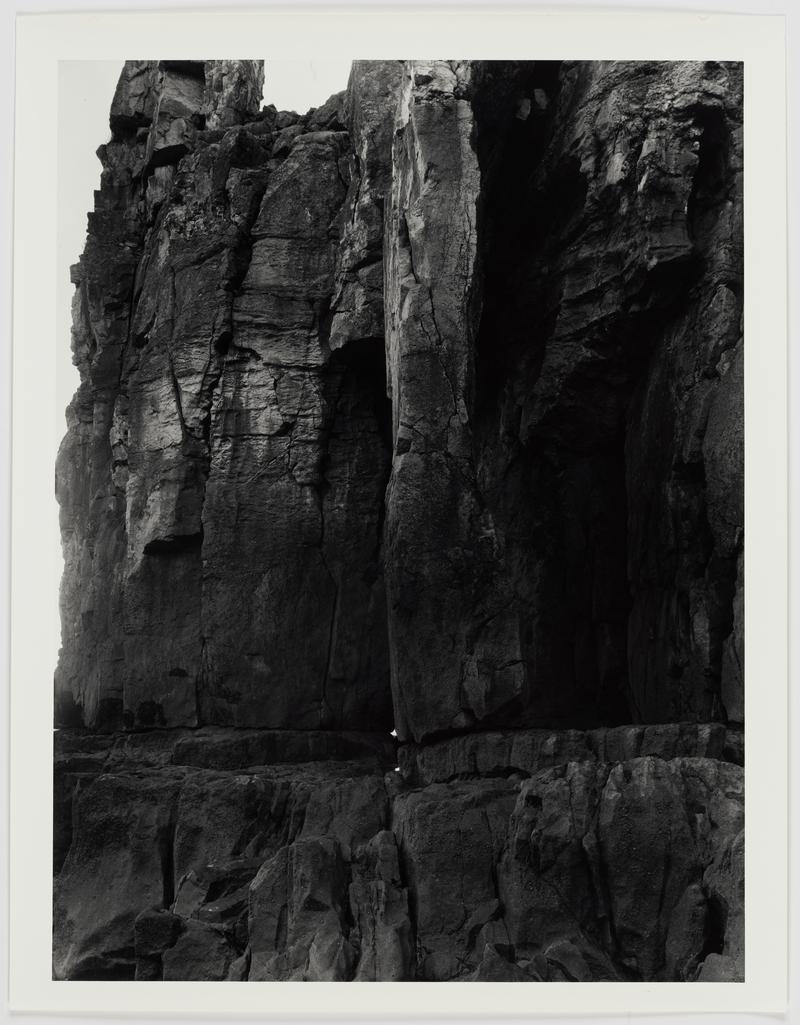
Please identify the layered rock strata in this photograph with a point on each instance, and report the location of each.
(221, 483)
(421, 411)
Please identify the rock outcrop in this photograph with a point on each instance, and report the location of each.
(222, 481)
(420, 411)
(564, 297)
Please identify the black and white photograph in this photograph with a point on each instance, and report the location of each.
(406, 412)
(401, 503)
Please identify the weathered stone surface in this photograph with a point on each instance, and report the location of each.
(200, 954)
(220, 748)
(90, 487)
(117, 866)
(585, 870)
(232, 92)
(450, 839)
(135, 98)
(566, 373)
(225, 454)
(368, 112)
(524, 752)
(155, 931)
(306, 919)
(684, 568)
(494, 967)
(161, 864)
(297, 433)
(617, 851)
(215, 747)
(379, 906)
(514, 536)
(422, 409)
(435, 571)
(178, 113)
(588, 870)
(307, 887)
(329, 116)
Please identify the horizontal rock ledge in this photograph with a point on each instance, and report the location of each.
(216, 747)
(504, 753)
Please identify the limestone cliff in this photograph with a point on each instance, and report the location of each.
(423, 411)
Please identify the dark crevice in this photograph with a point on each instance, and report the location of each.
(282, 928)
(190, 68)
(709, 189)
(166, 851)
(365, 360)
(573, 650)
(404, 242)
(516, 217)
(222, 342)
(108, 716)
(715, 926)
(358, 426)
(177, 544)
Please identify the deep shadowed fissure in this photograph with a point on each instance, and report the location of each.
(516, 217)
(715, 926)
(547, 489)
(363, 361)
(357, 462)
(166, 851)
(174, 545)
(710, 189)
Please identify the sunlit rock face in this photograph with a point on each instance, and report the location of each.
(421, 410)
(222, 480)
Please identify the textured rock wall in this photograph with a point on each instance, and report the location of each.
(564, 514)
(221, 484)
(424, 410)
(264, 855)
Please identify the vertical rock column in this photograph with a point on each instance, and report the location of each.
(222, 480)
(293, 601)
(196, 247)
(369, 110)
(91, 471)
(454, 658)
(268, 595)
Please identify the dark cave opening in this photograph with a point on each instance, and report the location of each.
(177, 544)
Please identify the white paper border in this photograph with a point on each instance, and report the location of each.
(388, 33)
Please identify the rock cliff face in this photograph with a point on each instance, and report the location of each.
(421, 411)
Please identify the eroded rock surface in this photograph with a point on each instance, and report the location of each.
(339, 869)
(222, 481)
(421, 410)
(557, 553)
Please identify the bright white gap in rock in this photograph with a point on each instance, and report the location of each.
(300, 85)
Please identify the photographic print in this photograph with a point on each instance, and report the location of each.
(401, 508)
